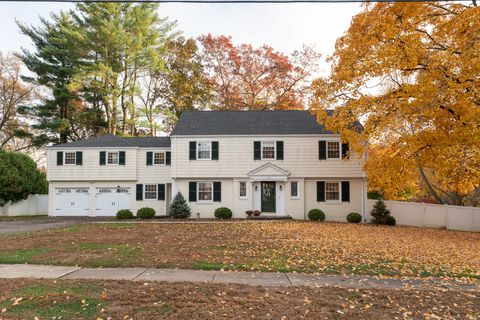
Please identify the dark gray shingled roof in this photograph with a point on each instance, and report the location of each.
(198, 123)
(112, 141)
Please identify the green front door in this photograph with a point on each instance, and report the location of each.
(268, 197)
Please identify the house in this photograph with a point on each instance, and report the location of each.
(278, 162)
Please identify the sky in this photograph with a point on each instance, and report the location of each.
(285, 27)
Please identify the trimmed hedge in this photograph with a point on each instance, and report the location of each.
(124, 214)
(146, 213)
(223, 213)
(354, 217)
(316, 215)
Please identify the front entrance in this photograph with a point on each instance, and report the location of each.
(268, 196)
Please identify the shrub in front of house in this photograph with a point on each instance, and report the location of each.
(179, 208)
(316, 215)
(381, 215)
(146, 213)
(354, 217)
(223, 213)
(256, 213)
(124, 214)
(249, 213)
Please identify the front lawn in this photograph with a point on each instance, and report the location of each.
(265, 246)
(67, 299)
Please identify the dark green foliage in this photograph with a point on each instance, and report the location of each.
(19, 177)
(124, 214)
(375, 195)
(145, 213)
(223, 213)
(380, 214)
(391, 221)
(249, 213)
(354, 217)
(179, 207)
(316, 215)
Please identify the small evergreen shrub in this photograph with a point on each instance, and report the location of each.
(249, 213)
(354, 217)
(256, 213)
(179, 208)
(124, 214)
(316, 215)
(381, 215)
(391, 221)
(223, 213)
(146, 213)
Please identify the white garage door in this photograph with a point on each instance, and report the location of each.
(109, 200)
(71, 202)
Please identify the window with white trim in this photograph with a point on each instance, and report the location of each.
(333, 150)
(69, 158)
(268, 150)
(159, 158)
(294, 189)
(112, 157)
(242, 189)
(332, 191)
(150, 192)
(205, 191)
(204, 150)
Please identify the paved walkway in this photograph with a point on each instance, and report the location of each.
(249, 278)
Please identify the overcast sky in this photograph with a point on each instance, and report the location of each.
(285, 27)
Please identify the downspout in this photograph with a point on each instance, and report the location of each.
(364, 187)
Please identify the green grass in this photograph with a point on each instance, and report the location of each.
(116, 255)
(24, 255)
(55, 301)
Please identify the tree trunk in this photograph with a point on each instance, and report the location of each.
(429, 186)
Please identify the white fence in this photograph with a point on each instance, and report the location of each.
(35, 204)
(433, 215)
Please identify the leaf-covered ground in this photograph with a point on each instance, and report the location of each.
(265, 246)
(64, 299)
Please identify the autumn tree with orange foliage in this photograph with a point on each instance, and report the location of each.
(248, 78)
(411, 72)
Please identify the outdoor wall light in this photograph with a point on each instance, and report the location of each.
(280, 188)
(118, 189)
(256, 188)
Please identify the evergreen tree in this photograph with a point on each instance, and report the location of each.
(380, 213)
(179, 207)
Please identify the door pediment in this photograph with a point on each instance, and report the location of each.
(268, 172)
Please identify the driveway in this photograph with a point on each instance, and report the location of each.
(19, 226)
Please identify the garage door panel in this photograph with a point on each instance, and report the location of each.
(109, 200)
(71, 202)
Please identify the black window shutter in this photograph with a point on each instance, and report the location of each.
(217, 191)
(345, 150)
(121, 158)
(279, 150)
(214, 150)
(345, 191)
(102, 158)
(161, 192)
(139, 192)
(322, 149)
(59, 158)
(193, 150)
(192, 191)
(257, 154)
(79, 158)
(149, 158)
(168, 158)
(320, 191)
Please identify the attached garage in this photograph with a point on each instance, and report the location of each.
(71, 202)
(109, 200)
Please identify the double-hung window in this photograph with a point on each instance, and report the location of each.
(332, 191)
(243, 189)
(204, 150)
(69, 158)
(159, 158)
(294, 189)
(112, 157)
(205, 191)
(268, 150)
(150, 192)
(333, 150)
